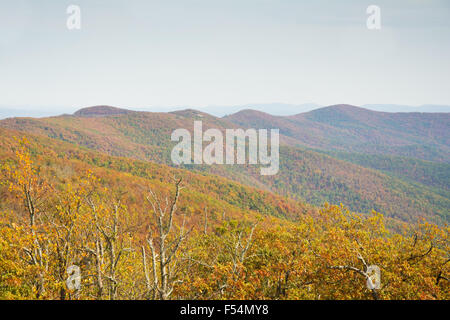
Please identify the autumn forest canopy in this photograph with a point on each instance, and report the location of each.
(95, 195)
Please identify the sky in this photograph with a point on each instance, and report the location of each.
(144, 54)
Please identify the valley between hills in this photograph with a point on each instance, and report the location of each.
(97, 189)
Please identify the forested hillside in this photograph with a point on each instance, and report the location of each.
(432, 174)
(348, 128)
(316, 178)
(200, 156)
(306, 175)
(139, 230)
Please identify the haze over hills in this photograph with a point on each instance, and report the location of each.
(286, 109)
(352, 129)
(307, 175)
(404, 108)
(9, 112)
(100, 111)
(277, 109)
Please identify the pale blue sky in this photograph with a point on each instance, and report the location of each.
(141, 54)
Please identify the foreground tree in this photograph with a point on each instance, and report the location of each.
(123, 250)
(164, 241)
(25, 183)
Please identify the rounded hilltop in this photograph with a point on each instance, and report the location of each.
(100, 111)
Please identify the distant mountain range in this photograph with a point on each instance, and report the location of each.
(24, 112)
(395, 163)
(353, 129)
(284, 109)
(277, 109)
(404, 108)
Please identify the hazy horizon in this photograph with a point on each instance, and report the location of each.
(217, 53)
(277, 109)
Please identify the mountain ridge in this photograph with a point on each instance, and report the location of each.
(99, 111)
(304, 175)
(353, 129)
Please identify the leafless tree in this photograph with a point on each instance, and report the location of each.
(34, 193)
(205, 226)
(239, 247)
(108, 247)
(164, 242)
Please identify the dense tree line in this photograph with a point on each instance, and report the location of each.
(155, 249)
